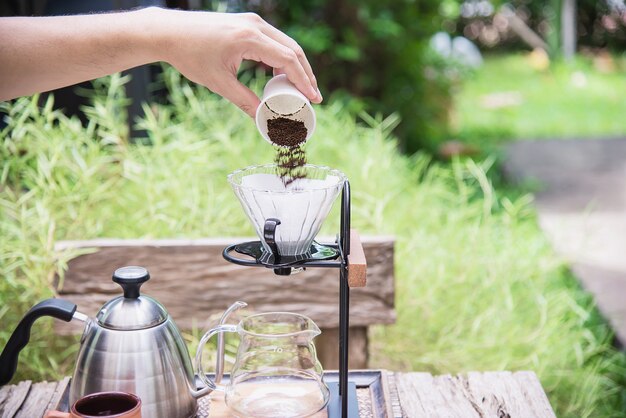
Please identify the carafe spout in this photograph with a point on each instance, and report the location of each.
(313, 329)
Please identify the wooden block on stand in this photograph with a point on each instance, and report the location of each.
(357, 263)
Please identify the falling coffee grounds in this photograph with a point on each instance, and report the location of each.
(289, 136)
(290, 164)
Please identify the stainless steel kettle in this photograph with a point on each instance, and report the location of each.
(132, 345)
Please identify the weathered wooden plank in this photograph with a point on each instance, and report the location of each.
(193, 281)
(477, 395)
(4, 395)
(490, 391)
(394, 409)
(357, 263)
(35, 404)
(500, 394)
(422, 395)
(17, 395)
(57, 396)
(387, 400)
(533, 393)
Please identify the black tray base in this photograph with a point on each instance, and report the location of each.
(334, 404)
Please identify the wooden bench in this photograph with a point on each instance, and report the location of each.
(192, 280)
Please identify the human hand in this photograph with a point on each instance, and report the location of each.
(208, 49)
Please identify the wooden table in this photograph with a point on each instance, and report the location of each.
(473, 395)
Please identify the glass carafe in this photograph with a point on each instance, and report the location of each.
(276, 372)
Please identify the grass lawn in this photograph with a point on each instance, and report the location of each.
(507, 98)
(478, 287)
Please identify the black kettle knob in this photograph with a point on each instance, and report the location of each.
(131, 278)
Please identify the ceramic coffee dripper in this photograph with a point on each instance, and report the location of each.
(103, 404)
(276, 371)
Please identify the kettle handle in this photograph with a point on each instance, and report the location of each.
(220, 355)
(57, 308)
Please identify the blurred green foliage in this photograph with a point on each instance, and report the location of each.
(373, 50)
(567, 100)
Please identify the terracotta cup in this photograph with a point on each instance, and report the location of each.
(103, 405)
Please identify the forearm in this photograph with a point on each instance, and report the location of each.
(44, 53)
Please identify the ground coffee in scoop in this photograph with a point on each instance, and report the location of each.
(286, 132)
(288, 135)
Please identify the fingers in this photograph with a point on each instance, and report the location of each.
(285, 60)
(282, 38)
(232, 90)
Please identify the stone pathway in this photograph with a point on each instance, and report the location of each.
(581, 202)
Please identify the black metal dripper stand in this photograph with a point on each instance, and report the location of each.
(343, 402)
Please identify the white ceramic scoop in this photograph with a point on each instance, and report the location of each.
(282, 99)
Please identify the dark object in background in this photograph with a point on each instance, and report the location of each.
(599, 24)
(137, 89)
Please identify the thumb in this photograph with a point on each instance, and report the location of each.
(240, 95)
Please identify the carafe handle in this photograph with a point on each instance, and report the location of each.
(220, 355)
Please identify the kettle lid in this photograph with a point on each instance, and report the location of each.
(131, 311)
